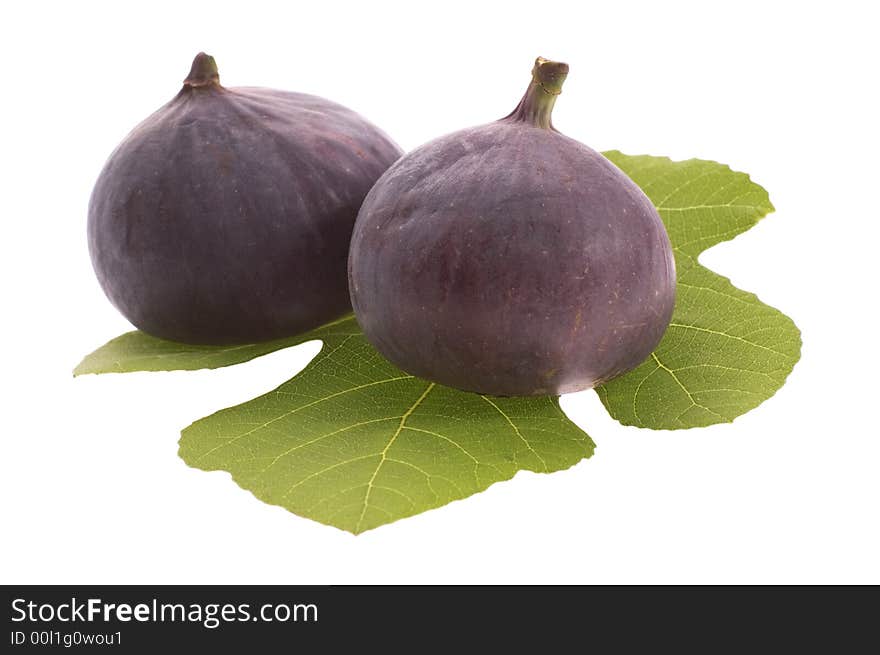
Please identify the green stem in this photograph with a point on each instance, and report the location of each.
(536, 106)
(203, 72)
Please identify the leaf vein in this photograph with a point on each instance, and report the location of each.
(516, 430)
(384, 452)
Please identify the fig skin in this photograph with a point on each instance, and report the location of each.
(225, 217)
(511, 260)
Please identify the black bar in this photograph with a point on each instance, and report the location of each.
(266, 619)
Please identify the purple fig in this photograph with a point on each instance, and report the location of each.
(508, 259)
(225, 217)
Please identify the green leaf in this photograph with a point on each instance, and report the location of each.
(355, 443)
(725, 352)
(137, 351)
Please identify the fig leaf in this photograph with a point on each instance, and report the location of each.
(138, 351)
(725, 352)
(355, 443)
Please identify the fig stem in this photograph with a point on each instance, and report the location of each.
(536, 106)
(203, 72)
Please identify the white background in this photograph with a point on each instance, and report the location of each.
(91, 487)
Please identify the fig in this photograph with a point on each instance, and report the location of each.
(225, 217)
(511, 260)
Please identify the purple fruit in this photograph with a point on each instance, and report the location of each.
(511, 260)
(225, 217)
